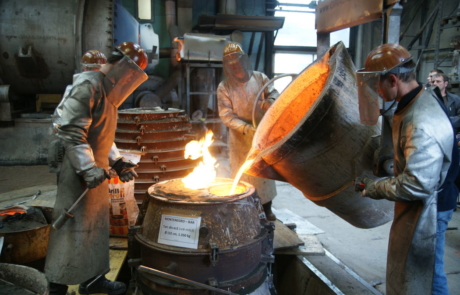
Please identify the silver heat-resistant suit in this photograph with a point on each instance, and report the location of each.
(236, 101)
(86, 128)
(422, 158)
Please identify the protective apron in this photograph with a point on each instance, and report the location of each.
(79, 250)
(422, 155)
(236, 101)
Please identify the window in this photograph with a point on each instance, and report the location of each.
(299, 33)
(145, 11)
(284, 65)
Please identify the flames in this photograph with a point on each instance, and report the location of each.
(205, 173)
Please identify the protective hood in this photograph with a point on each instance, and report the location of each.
(122, 80)
(237, 67)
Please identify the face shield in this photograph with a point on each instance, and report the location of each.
(91, 67)
(368, 96)
(237, 67)
(122, 80)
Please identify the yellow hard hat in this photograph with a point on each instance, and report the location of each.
(232, 48)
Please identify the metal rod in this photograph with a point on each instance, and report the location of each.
(78, 200)
(182, 280)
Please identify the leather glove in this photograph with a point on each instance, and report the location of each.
(369, 188)
(266, 104)
(94, 176)
(125, 169)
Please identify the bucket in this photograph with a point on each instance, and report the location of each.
(312, 138)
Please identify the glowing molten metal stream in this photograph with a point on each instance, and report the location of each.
(205, 173)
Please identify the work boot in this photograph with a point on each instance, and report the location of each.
(102, 285)
(268, 211)
(58, 289)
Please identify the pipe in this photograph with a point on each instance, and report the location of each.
(185, 16)
(261, 91)
(173, 29)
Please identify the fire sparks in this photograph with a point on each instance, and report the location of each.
(205, 174)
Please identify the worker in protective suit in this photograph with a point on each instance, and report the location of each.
(236, 97)
(92, 60)
(78, 253)
(425, 162)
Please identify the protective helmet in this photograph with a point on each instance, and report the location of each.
(232, 48)
(236, 64)
(386, 58)
(93, 59)
(135, 53)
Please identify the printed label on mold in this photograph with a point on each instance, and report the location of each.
(179, 231)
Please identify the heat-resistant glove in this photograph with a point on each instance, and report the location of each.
(249, 130)
(94, 176)
(369, 189)
(125, 169)
(266, 104)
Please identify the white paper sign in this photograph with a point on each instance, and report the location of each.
(179, 231)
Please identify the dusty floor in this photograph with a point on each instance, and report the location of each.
(363, 251)
(17, 177)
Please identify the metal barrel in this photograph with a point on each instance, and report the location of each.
(312, 138)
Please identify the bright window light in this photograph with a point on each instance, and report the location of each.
(290, 63)
(144, 9)
(299, 30)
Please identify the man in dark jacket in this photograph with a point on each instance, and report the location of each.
(451, 101)
(447, 196)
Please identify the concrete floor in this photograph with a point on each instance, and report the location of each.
(361, 250)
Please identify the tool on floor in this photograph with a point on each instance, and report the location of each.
(67, 213)
(22, 202)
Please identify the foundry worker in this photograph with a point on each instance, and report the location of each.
(92, 60)
(79, 251)
(425, 162)
(236, 96)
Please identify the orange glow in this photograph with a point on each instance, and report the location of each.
(12, 211)
(222, 190)
(205, 174)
